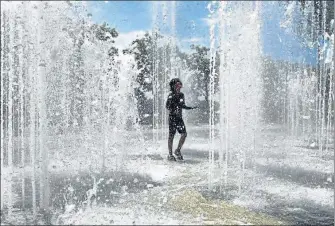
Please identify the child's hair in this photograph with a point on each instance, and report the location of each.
(173, 83)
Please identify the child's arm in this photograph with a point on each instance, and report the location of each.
(182, 103)
(169, 102)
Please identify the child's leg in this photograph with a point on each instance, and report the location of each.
(170, 143)
(172, 132)
(181, 141)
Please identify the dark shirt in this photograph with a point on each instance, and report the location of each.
(175, 103)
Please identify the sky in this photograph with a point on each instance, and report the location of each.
(136, 17)
(280, 43)
(133, 18)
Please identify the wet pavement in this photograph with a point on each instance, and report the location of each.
(108, 188)
(85, 188)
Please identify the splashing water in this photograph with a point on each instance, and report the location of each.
(65, 94)
(57, 74)
(165, 63)
(240, 82)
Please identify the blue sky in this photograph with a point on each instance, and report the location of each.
(132, 16)
(281, 44)
(125, 16)
(135, 17)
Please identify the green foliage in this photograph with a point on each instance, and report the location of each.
(80, 33)
(142, 49)
(104, 32)
(199, 62)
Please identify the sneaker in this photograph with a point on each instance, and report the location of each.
(178, 154)
(171, 157)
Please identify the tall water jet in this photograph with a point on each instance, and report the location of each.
(211, 92)
(155, 71)
(62, 86)
(310, 83)
(165, 63)
(224, 96)
(240, 79)
(2, 100)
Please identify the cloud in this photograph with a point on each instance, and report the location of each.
(192, 40)
(124, 40)
(210, 21)
(186, 50)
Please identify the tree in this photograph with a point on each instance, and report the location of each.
(142, 49)
(199, 63)
(81, 33)
(105, 33)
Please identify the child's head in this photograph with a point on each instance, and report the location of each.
(178, 86)
(175, 85)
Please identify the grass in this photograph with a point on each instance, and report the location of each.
(218, 212)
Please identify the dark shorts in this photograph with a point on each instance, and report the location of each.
(176, 123)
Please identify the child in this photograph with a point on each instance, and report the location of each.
(175, 103)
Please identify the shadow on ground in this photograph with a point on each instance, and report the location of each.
(199, 154)
(188, 158)
(79, 190)
(148, 156)
(308, 178)
(302, 212)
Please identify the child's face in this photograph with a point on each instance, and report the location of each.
(178, 86)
